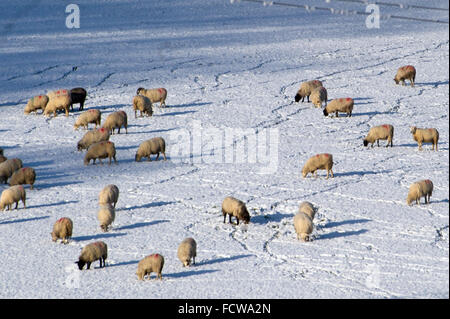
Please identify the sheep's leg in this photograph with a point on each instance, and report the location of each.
(157, 156)
(378, 143)
(230, 219)
(164, 154)
(224, 216)
(88, 265)
(100, 160)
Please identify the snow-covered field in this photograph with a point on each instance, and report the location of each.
(228, 68)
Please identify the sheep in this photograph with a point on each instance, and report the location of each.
(425, 135)
(92, 252)
(105, 149)
(306, 89)
(154, 145)
(106, 216)
(8, 167)
(423, 188)
(187, 250)
(316, 162)
(62, 229)
(143, 104)
(381, 132)
(151, 263)
(36, 103)
(308, 209)
(318, 96)
(303, 226)
(92, 137)
(56, 93)
(344, 105)
(407, 72)
(109, 195)
(13, 195)
(78, 95)
(61, 102)
(25, 175)
(116, 120)
(90, 116)
(155, 95)
(235, 207)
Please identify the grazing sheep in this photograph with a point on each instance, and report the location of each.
(154, 145)
(78, 95)
(143, 104)
(8, 167)
(425, 135)
(106, 216)
(90, 116)
(92, 137)
(62, 229)
(381, 132)
(303, 226)
(116, 120)
(344, 105)
(105, 149)
(318, 96)
(36, 103)
(235, 207)
(92, 252)
(61, 102)
(155, 95)
(308, 209)
(423, 188)
(151, 263)
(187, 251)
(316, 162)
(12, 195)
(306, 89)
(25, 175)
(407, 72)
(109, 195)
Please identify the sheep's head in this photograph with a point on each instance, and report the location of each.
(325, 112)
(396, 80)
(365, 142)
(413, 129)
(245, 216)
(137, 158)
(297, 97)
(304, 172)
(139, 90)
(81, 264)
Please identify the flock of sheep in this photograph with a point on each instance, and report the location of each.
(98, 146)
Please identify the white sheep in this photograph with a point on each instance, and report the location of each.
(423, 188)
(308, 209)
(344, 105)
(381, 132)
(109, 195)
(149, 147)
(318, 96)
(303, 226)
(320, 161)
(106, 216)
(92, 137)
(12, 195)
(425, 135)
(187, 250)
(61, 102)
(8, 167)
(116, 120)
(105, 149)
(407, 72)
(36, 103)
(151, 263)
(92, 252)
(234, 207)
(143, 104)
(155, 95)
(89, 116)
(306, 89)
(62, 229)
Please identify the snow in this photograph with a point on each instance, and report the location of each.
(227, 67)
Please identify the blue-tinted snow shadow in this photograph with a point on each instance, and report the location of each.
(346, 222)
(142, 224)
(98, 236)
(362, 173)
(113, 107)
(369, 113)
(341, 234)
(57, 184)
(435, 84)
(147, 205)
(191, 104)
(175, 113)
(221, 260)
(124, 263)
(264, 219)
(189, 273)
(38, 163)
(21, 220)
(147, 132)
(54, 204)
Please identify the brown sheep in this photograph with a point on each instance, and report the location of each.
(25, 175)
(407, 72)
(100, 150)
